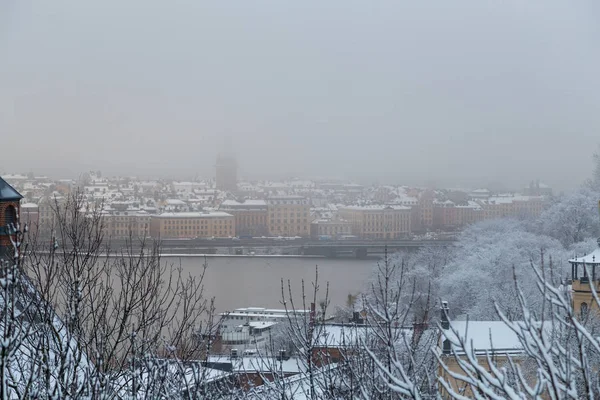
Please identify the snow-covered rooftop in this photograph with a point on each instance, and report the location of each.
(259, 364)
(375, 208)
(248, 203)
(339, 335)
(592, 258)
(511, 199)
(175, 202)
(211, 214)
(7, 192)
(482, 336)
(298, 387)
(262, 324)
(268, 310)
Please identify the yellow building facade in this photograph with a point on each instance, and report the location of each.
(585, 271)
(330, 228)
(378, 222)
(288, 216)
(189, 225)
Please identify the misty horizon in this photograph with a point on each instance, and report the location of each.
(467, 93)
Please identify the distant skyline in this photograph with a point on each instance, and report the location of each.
(494, 186)
(461, 93)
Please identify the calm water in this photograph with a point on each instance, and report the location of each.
(256, 282)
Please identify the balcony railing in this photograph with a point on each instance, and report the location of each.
(583, 284)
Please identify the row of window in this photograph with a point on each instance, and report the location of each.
(252, 219)
(198, 222)
(404, 229)
(123, 232)
(388, 224)
(197, 228)
(291, 213)
(288, 202)
(130, 218)
(387, 235)
(386, 217)
(198, 233)
(127, 224)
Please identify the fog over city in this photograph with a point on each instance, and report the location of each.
(461, 92)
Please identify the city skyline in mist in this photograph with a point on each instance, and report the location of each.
(467, 92)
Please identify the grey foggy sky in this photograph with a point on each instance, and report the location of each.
(450, 91)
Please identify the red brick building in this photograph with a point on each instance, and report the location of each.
(9, 212)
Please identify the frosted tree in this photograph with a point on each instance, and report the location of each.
(573, 218)
(560, 356)
(306, 339)
(14, 329)
(393, 359)
(594, 182)
(121, 309)
(487, 255)
(38, 357)
(305, 332)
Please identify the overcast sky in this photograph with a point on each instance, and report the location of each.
(449, 91)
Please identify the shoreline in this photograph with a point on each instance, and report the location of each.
(192, 255)
(189, 255)
(239, 255)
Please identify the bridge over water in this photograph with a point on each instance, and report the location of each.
(360, 249)
(327, 248)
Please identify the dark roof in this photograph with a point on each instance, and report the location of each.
(8, 193)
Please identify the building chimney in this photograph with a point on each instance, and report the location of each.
(446, 347)
(445, 322)
(356, 318)
(282, 355)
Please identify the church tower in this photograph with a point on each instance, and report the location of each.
(9, 212)
(226, 173)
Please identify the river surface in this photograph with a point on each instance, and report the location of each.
(256, 281)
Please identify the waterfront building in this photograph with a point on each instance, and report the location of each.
(288, 216)
(189, 225)
(330, 228)
(250, 216)
(514, 206)
(378, 222)
(449, 216)
(426, 200)
(128, 223)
